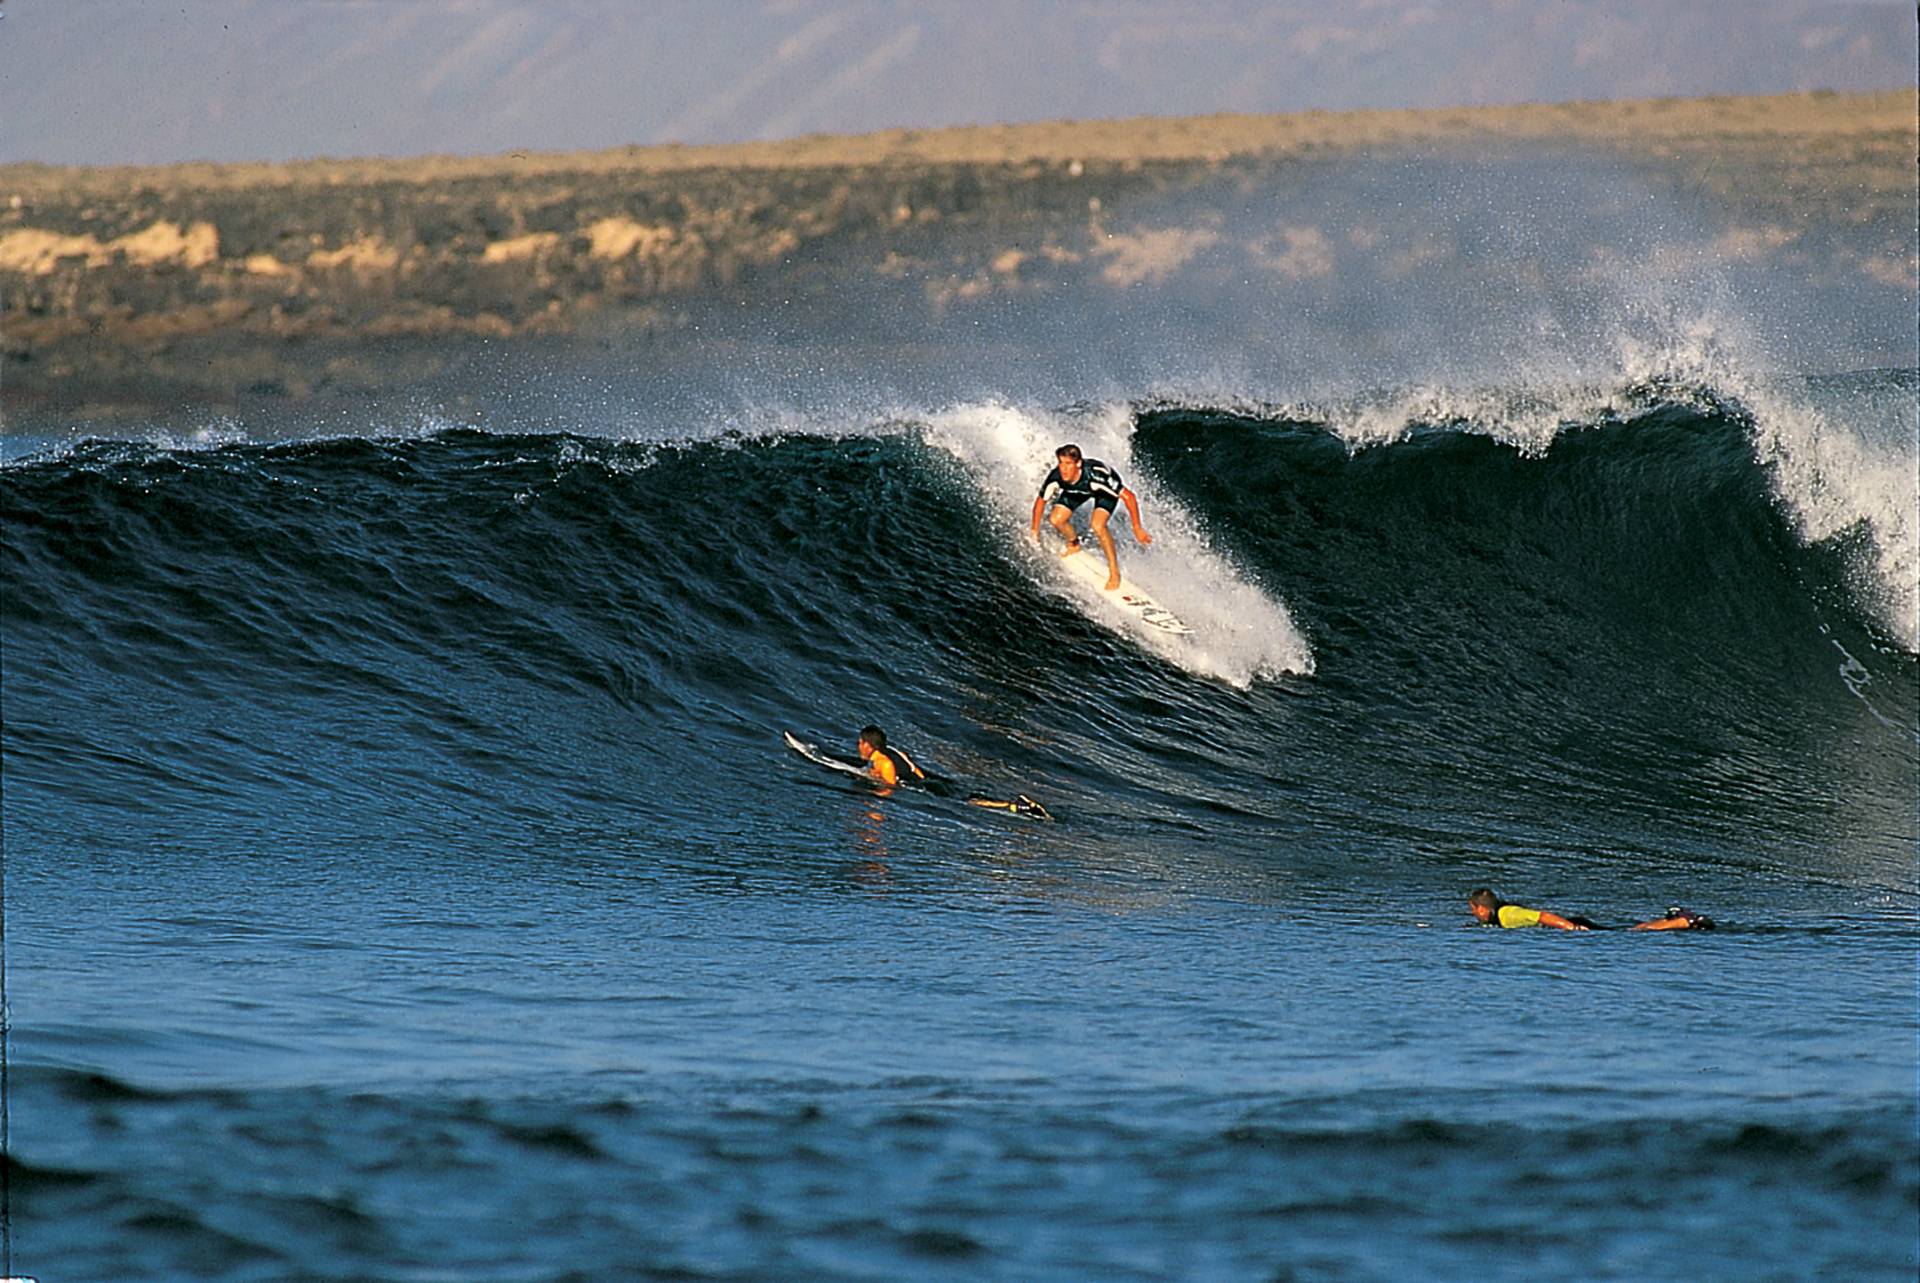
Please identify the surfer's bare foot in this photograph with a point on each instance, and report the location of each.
(1073, 546)
(1113, 582)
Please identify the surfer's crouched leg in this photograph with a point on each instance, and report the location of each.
(1101, 533)
(1060, 517)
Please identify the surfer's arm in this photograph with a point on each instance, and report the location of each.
(1555, 920)
(1133, 514)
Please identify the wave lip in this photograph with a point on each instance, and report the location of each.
(1838, 452)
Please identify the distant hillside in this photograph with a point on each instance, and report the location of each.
(125, 81)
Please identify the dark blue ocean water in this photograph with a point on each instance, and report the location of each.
(405, 879)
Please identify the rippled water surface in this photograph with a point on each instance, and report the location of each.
(405, 878)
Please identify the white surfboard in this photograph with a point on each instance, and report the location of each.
(819, 757)
(1090, 564)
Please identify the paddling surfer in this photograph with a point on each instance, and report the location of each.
(1490, 910)
(890, 766)
(1074, 480)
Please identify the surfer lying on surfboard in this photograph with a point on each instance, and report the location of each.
(1074, 480)
(888, 766)
(1490, 910)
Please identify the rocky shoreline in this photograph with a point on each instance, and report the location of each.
(124, 289)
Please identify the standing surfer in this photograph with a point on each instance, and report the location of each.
(1074, 480)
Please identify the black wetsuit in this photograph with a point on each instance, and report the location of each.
(909, 773)
(1097, 482)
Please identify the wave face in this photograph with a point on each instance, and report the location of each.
(1623, 612)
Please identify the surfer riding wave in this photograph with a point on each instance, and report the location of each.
(1074, 480)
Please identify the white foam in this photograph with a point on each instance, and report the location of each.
(1835, 481)
(1240, 633)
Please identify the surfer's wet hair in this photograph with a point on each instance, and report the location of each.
(1069, 452)
(873, 735)
(1485, 898)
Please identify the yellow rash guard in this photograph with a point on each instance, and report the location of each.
(891, 765)
(1512, 915)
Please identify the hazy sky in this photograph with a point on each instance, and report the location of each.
(138, 81)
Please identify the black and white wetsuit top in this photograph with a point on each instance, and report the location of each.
(1097, 482)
